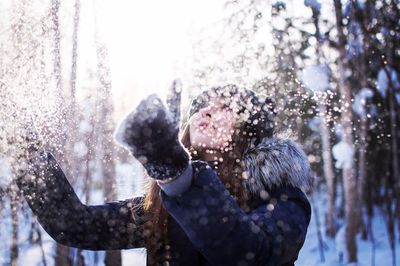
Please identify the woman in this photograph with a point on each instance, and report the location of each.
(230, 195)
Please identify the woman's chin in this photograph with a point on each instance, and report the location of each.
(206, 146)
(201, 145)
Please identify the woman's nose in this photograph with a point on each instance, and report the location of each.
(206, 113)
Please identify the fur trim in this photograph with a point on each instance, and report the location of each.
(276, 162)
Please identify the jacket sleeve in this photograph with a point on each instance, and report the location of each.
(114, 225)
(271, 234)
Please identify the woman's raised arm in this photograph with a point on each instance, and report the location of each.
(115, 225)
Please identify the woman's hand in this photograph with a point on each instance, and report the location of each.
(150, 133)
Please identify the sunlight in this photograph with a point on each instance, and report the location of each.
(150, 42)
(295, 137)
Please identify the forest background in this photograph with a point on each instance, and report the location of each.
(332, 67)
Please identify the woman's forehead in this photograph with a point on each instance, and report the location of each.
(217, 102)
(231, 97)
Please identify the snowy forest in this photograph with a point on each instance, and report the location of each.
(72, 69)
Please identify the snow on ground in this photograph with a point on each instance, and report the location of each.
(135, 257)
(5, 172)
(310, 255)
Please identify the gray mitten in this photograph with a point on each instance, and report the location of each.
(150, 133)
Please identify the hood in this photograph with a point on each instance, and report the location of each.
(274, 162)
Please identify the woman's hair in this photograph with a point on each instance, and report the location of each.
(228, 167)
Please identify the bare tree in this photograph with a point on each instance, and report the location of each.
(14, 205)
(72, 122)
(328, 171)
(105, 123)
(62, 252)
(349, 180)
(325, 137)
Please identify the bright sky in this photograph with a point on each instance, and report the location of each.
(150, 42)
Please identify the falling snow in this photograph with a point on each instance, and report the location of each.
(316, 78)
(360, 101)
(384, 81)
(343, 154)
(71, 70)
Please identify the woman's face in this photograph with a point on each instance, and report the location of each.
(212, 127)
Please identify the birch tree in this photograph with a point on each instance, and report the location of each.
(325, 132)
(349, 179)
(106, 127)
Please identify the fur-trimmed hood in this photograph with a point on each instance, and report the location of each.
(276, 161)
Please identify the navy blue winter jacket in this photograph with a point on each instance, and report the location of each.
(206, 226)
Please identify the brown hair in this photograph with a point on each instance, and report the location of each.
(230, 173)
(229, 169)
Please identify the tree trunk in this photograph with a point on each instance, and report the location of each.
(36, 238)
(113, 258)
(55, 8)
(325, 139)
(72, 110)
(328, 173)
(14, 205)
(62, 252)
(395, 162)
(62, 256)
(393, 136)
(90, 157)
(362, 152)
(349, 180)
